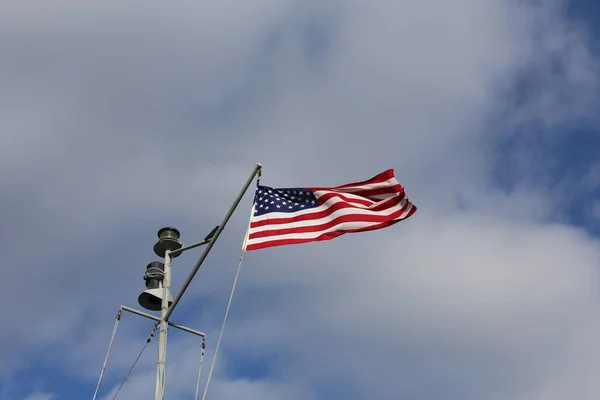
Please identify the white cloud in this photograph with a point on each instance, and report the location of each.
(105, 105)
(39, 396)
(510, 303)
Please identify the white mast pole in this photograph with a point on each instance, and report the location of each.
(162, 334)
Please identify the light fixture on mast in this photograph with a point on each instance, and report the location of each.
(151, 298)
(168, 239)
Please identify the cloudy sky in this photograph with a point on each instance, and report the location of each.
(120, 117)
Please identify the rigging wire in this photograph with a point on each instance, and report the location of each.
(137, 359)
(112, 338)
(223, 327)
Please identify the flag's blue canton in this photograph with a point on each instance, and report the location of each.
(283, 200)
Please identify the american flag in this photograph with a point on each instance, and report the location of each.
(300, 215)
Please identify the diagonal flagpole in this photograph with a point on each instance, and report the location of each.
(235, 281)
(257, 170)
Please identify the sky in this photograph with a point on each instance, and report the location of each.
(120, 117)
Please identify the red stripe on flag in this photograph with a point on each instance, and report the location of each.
(329, 224)
(325, 236)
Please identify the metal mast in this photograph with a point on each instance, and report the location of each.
(158, 280)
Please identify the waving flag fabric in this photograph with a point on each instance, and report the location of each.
(301, 215)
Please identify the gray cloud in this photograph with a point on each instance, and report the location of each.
(120, 117)
(39, 396)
